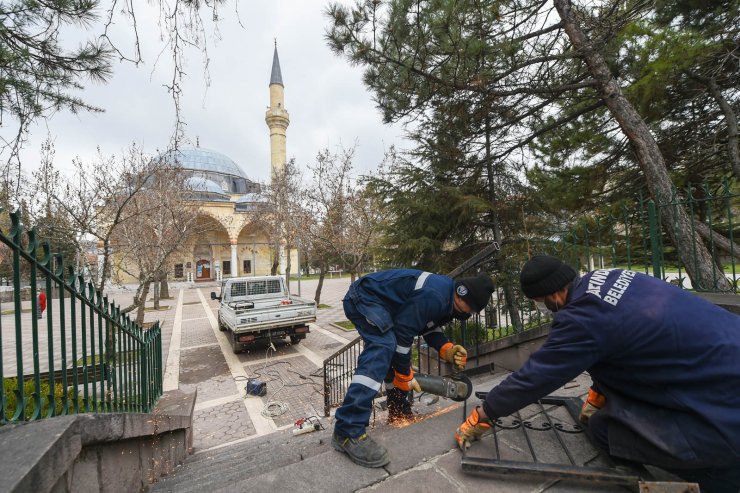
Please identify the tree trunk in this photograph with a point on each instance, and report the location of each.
(164, 287)
(731, 121)
(106, 265)
(275, 261)
(322, 275)
(142, 304)
(720, 241)
(156, 293)
(509, 294)
(690, 248)
(287, 268)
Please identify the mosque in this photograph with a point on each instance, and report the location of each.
(234, 244)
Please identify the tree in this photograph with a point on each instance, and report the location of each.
(283, 214)
(40, 76)
(159, 223)
(512, 65)
(328, 206)
(365, 216)
(675, 219)
(97, 199)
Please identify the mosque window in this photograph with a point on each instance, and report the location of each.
(178, 270)
(247, 267)
(227, 267)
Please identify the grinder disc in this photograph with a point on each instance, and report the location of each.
(462, 379)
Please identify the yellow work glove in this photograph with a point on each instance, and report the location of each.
(406, 382)
(594, 402)
(471, 429)
(454, 353)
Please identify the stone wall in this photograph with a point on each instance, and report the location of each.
(103, 453)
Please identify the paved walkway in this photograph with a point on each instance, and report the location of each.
(200, 357)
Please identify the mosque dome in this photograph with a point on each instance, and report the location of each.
(198, 184)
(213, 176)
(200, 159)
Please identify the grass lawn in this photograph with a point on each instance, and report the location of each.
(322, 306)
(346, 325)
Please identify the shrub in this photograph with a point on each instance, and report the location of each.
(11, 400)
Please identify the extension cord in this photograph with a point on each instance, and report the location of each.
(308, 428)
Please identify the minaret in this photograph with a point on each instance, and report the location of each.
(277, 118)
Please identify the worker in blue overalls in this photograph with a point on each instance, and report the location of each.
(389, 309)
(665, 365)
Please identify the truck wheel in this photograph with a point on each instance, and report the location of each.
(295, 339)
(221, 325)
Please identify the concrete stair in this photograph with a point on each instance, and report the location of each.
(424, 458)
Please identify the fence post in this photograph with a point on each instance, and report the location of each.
(654, 240)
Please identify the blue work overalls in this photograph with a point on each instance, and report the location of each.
(389, 309)
(667, 361)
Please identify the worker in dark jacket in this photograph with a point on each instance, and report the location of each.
(389, 309)
(665, 365)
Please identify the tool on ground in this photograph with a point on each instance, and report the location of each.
(256, 387)
(307, 425)
(456, 387)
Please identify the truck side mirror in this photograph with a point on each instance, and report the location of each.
(214, 297)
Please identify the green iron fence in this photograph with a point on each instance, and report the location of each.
(632, 236)
(80, 354)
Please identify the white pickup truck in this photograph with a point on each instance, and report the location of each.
(261, 309)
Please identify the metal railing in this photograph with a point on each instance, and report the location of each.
(631, 235)
(84, 354)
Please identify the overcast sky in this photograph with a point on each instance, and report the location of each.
(324, 95)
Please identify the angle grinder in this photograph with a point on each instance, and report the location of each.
(457, 387)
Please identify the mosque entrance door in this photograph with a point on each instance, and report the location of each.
(203, 269)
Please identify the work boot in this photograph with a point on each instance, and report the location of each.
(362, 450)
(399, 407)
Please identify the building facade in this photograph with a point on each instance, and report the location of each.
(234, 241)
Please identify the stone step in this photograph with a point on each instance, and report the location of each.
(424, 457)
(244, 460)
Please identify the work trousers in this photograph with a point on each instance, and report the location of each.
(377, 356)
(710, 479)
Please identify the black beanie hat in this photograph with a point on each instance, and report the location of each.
(476, 291)
(543, 275)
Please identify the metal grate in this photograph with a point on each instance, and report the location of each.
(560, 422)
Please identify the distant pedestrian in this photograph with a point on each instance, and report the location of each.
(41, 305)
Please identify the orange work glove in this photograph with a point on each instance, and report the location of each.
(594, 402)
(454, 353)
(471, 429)
(406, 382)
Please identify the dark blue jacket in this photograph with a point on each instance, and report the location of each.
(409, 301)
(668, 359)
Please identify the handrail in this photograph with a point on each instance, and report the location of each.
(92, 358)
